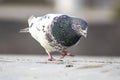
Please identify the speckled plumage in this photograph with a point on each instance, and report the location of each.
(57, 32)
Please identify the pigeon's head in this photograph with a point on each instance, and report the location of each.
(80, 26)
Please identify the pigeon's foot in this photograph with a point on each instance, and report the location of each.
(65, 53)
(51, 59)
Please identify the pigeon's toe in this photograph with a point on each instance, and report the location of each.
(51, 59)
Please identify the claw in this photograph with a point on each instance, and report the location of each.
(52, 59)
(64, 53)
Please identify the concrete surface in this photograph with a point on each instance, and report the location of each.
(36, 67)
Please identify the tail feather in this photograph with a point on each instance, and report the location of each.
(25, 30)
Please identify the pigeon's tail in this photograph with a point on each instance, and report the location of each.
(25, 30)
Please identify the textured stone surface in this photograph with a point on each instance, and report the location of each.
(19, 67)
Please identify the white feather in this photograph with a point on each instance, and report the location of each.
(39, 22)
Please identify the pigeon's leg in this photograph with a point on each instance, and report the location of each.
(65, 53)
(50, 56)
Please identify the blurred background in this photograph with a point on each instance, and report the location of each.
(103, 17)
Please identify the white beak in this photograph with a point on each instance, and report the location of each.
(84, 33)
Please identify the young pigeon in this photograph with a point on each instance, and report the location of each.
(57, 32)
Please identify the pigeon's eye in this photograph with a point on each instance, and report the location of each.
(81, 27)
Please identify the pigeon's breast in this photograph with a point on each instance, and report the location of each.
(62, 31)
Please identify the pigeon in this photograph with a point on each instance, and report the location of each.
(57, 32)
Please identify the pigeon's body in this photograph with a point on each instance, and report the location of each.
(57, 32)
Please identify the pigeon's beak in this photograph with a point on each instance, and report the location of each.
(84, 32)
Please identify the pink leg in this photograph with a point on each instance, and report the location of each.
(64, 53)
(50, 56)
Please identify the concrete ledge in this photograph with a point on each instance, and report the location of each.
(20, 67)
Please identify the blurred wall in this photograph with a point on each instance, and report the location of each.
(103, 33)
